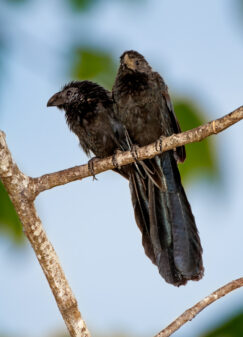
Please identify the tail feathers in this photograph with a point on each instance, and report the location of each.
(164, 217)
(186, 242)
(161, 235)
(138, 188)
(173, 231)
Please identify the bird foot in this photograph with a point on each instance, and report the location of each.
(134, 149)
(114, 160)
(134, 153)
(159, 143)
(91, 167)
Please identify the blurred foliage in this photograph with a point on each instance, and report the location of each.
(9, 221)
(77, 5)
(81, 5)
(201, 157)
(92, 64)
(233, 327)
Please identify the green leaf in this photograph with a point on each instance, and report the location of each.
(233, 327)
(81, 5)
(92, 64)
(201, 158)
(9, 222)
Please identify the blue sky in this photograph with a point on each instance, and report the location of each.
(198, 49)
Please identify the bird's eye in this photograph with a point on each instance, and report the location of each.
(137, 63)
(68, 92)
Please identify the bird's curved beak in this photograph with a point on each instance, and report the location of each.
(56, 100)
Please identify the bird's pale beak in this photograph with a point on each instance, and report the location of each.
(56, 100)
(129, 63)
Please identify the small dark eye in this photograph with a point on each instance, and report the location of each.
(137, 63)
(68, 93)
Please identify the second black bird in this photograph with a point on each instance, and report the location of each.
(143, 106)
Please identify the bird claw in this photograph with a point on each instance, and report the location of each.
(91, 167)
(134, 152)
(159, 143)
(132, 147)
(114, 160)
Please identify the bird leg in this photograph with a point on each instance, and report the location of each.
(114, 160)
(133, 149)
(134, 152)
(91, 167)
(159, 143)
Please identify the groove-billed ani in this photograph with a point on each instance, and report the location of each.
(143, 105)
(89, 114)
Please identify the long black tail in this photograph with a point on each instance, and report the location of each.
(164, 216)
(139, 193)
(173, 231)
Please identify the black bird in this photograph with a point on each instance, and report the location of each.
(89, 114)
(143, 105)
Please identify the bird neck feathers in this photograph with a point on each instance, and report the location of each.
(132, 82)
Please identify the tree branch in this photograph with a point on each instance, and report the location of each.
(20, 190)
(23, 190)
(189, 314)
(51, 180)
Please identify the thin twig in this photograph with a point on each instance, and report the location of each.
(51, 180)
(189, 314)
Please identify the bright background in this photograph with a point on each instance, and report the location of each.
(197, 47)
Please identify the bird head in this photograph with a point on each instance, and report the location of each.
(133, 61)
(80, 96)
(70, 94)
